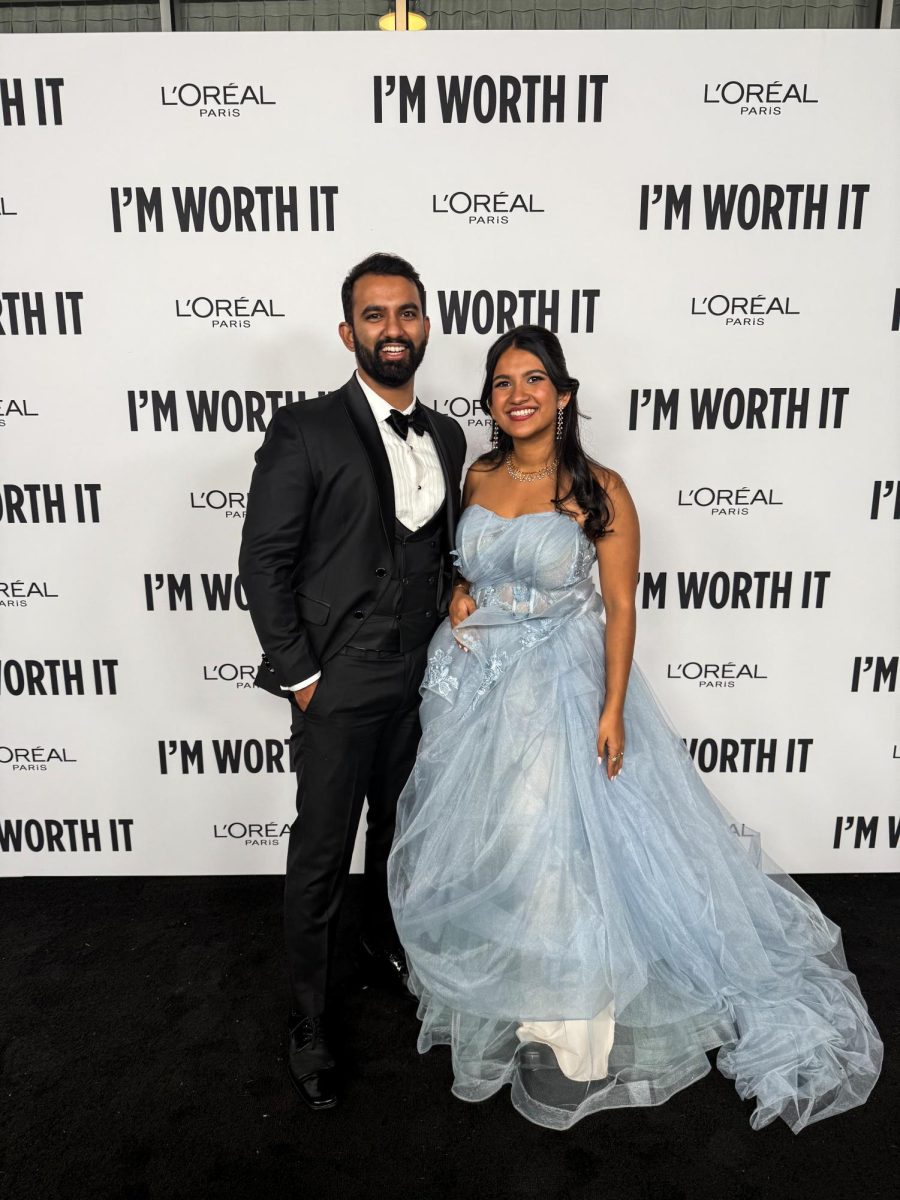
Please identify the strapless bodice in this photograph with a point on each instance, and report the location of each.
(524, 564)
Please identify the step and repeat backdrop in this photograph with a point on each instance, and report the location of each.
(708, 221)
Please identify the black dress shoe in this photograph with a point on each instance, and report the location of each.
(311, 1065)
(385, 968)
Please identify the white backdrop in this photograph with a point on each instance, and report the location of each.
(131, 741)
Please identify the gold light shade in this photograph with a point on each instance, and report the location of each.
(415, 21)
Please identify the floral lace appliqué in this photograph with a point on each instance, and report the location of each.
(582, 561)
(493, 669)
(521, 598)
(488, 597)
(532, 633)
(438, 677)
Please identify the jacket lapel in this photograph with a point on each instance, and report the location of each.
(451, 492)
(366, 426)
(367, 429)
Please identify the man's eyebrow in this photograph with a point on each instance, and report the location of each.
(380, 307)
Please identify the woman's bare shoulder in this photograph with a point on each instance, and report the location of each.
(611, 481)
(481, 465)
(474, 478)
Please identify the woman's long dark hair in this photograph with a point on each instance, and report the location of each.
(574, 464)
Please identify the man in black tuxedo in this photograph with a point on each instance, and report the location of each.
(345, 564)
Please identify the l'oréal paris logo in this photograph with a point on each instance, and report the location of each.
(253, 833)
(729, 501)
(215, 100)
(715, 675)
(485, 208)
(34, 758)
(752, 99)
(226, 312)
(743, 310)
(229, 504)
(469, 413)
(14, 409)
(239, 675)
(19, 593)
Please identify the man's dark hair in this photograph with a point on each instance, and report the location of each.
(379, 264)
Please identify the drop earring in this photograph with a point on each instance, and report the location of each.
(495, 435)
(559, 423)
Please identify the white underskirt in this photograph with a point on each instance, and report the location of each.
(581, 1047)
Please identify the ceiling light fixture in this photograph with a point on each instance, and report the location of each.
(401, 18)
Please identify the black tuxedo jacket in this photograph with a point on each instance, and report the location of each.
(318, 542)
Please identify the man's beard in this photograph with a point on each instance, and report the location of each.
(392, 374)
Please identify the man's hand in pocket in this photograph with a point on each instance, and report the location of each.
(305, 695)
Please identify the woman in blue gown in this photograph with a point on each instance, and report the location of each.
(582, 921)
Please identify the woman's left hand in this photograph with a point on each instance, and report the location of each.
(611, 742)
(461, 606)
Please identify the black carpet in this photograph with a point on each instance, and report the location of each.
(141, 1025)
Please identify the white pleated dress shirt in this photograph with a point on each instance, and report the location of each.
(419, 488)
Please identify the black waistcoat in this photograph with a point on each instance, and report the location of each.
(408, 612)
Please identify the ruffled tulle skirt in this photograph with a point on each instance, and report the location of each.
(547, 911)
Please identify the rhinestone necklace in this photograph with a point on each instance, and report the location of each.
(530, 476)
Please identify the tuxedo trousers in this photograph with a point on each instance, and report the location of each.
(356, 741)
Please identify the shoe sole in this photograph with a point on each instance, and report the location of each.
(312, 1107)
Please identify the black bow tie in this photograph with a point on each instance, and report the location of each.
(400, 422)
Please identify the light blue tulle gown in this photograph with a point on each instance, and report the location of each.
(588, 942)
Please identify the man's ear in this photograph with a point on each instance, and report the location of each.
(345, 333)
